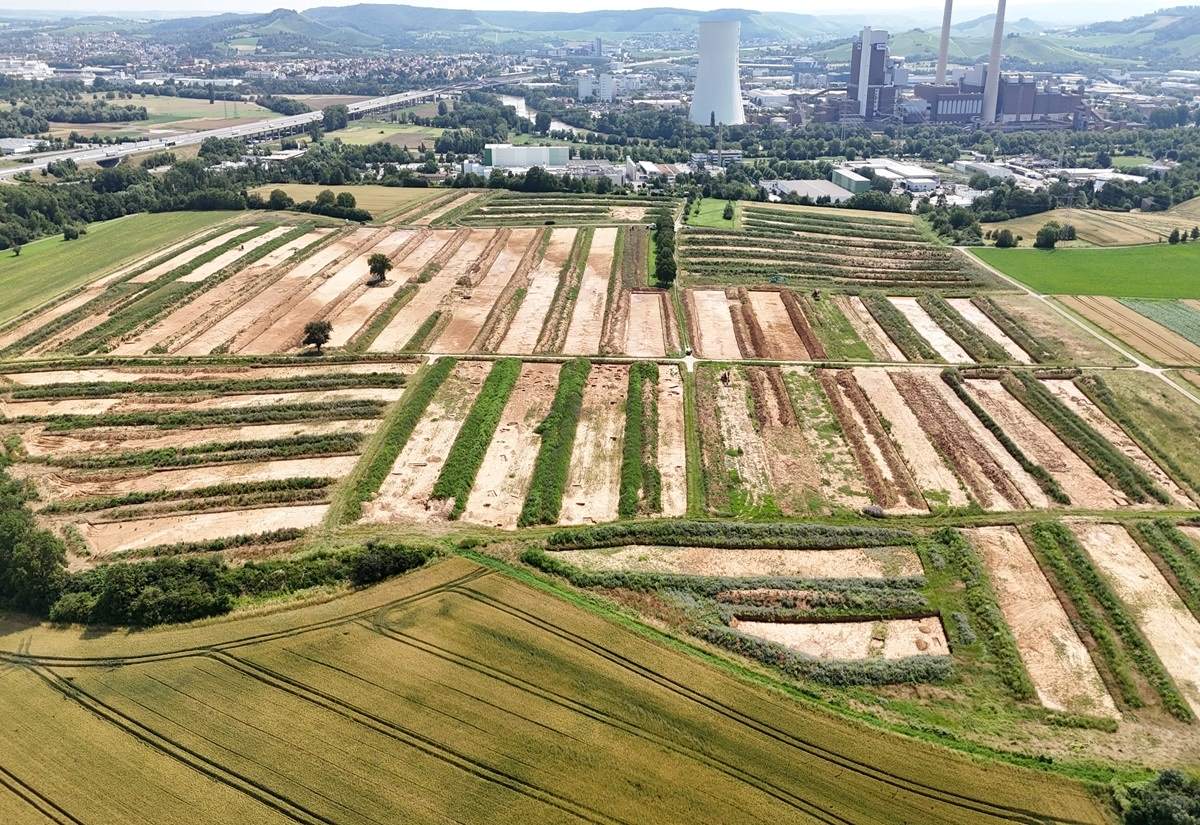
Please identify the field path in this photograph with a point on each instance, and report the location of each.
(594, 477)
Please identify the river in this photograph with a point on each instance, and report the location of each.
(524, 111)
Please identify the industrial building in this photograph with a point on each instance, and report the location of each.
(608, 87)
(874, 76)
(813, 190)
(1019, 99)
(507, 156)
(718, 95)
(850, 180)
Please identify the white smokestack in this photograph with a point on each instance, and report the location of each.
(944, 45)
(991, 89)
(864, 71)
(718, 86)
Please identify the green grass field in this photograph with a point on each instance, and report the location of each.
(1130, 161)
(51, 266)
(381, 201)
(1151, 271)
(712, 213)
(366, 132)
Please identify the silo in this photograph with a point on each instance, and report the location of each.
(718, 95)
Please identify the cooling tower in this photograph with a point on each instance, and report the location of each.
(939, 76)
(718, 92)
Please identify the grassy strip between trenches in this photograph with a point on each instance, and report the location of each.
(420, 338)
(470, 445)
(770, 536)
(1109, 463)
(363, 340)
(1048, 483)
(381, 452)
(898, 328)
(246, 488)
(980, 347)
(217, 452)
(1104, 613)
(230, 386)
(1014, 329)
(544, 499)
(641, 484)
(348, 410)
(1166, 545)
(981, 601)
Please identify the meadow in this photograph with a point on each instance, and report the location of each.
(383, 202)
(1119, 273)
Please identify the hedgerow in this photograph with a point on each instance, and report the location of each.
(347, 410)
(1048, 483)
(779, 536)
(641, 483)
(898, 328)
(1085, 585)
(544, 499)
(223, 386)
(1107, 461)
(981, 601)
(1163, 539)
(420, 338)
(1037, 349)
(470, 445)
(380, 320)
(220, 452)
(180, 548)
(977, 345)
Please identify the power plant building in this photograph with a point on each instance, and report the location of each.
(718, 95)
(507, 156)
(1018, 100)
(874, 76)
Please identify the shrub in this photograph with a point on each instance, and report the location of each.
(544, 499)
(640, 479)
(377, 561)
(784, 535)
(898, 328)
(1047, 236)
(1005, 239)
(1173, 798)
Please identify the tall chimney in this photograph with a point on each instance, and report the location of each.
(864, 71)
(944, 45)
(991, 90)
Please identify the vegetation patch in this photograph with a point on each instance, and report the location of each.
(641, 483)
(898, 328)
(544, 498)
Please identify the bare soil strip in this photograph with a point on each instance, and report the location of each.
(146, 260)
(587, 319)
(930, 472)
(109, 537)
(672, 448)
(430, 295)
(60, 485)
(500, 487)
(287, 331)
(453, 203)
(526, 326)
(1167, 624)
(405, 493)
(471, 312)
(188, 255)
(196, 373)
(209, 268)
(1144, 335)
(928, 328)
(39, 443)
(644, 337)
(208, 304)
(988, 327)
(992, 475)
(1062, 672)
(781, 341)
(95, 406)
(892, 639)
(712, 329)
(851, 563)
(594, 477)
(1040, 443)
(868, 329)
(254, 315)
(1067, 392)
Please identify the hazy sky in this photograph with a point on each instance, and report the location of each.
(921, 10)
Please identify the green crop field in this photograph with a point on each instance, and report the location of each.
(1153, 271)
(456, 693)
(365, 132)
(51, 266)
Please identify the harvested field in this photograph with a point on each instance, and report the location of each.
(928, 328)
(1067, 340)
(1058, 663)
(405, 493)
(672, 447)
(594, 477)
(587, 318)
(1044, 447)
(468, 316)
(868, 329)
(107, 537)
(645, 335)
(987, 326)
(499, 491)
(712, 327)
(827, 464)
(188, 255)
(526, 327)
(850, 641)
(935, 479)
(1067, 392)
(1164, 620)
(95, 406)
(209, 268)
(781, 340)
(850, 563)
(1151, 339)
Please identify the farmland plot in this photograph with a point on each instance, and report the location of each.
(645, 335)
(1059, 665)
(108, 537)
(737, 469)
(712, 328)
(468, 316)
(889, 639)
(781, 341)
(868, 329)
(1181, 317)
(672, 448)
(974, 315)
(1167, 624)
(594, 477)
(209, 268)
(833, 473)
(503, 479)
(188, 255)
(587, 318)
(1148, 337)
(928, 328)
(526, 327)
(847, 563)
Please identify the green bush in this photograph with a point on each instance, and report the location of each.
(979, 346)
(898, 328)
(470, 445)
(784, 535)
(544, 499)
(640, 479)
(377, 561)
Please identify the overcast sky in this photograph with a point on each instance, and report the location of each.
(922, 10)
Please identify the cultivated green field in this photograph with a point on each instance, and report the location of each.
(712, 213)
(366, 132)
(1155, 271)
(51, 266)
(456, 694)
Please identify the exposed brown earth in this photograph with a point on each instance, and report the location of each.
(594, 478)
(892, 639)
(587, 318)
(209, 268)
(108, 537)
(527, 323)
(672, 456)
(188, 255)
(928, 329)
(644, 337)
(974, 315)
(850, 563)
(882, 347)
(712, 330)
(781, 341)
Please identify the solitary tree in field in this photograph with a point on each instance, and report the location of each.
(16, 248)
(1047, 236)
(316, 334)
(1173, 238)
(728, 213)
(378, 264)
(1005, 239)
